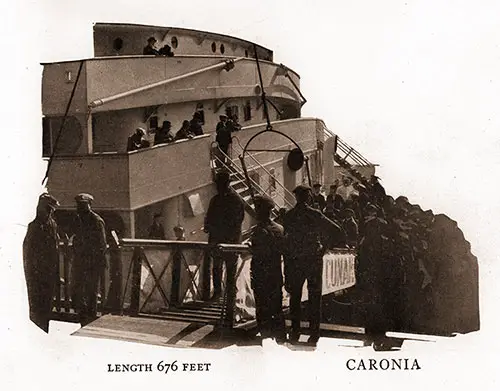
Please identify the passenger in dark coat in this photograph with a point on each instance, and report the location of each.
(305, 229)
(163, 135)
(137, 141)
(265, 271)
(223, 135)
(318, 198)
(156, 230)
(372, 268)
(378, 191)
(350, 227)
(41, 260)
(89, 245)
(166, 50)
(223, 224)
(195, 124)
(184, 132)
(329, 203)
(150, 50)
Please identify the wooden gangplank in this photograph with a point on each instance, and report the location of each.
(147, 330)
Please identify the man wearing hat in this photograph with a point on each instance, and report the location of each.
(305, 228)
(223, 221)
(372, 267)
(318, 199)
(41, 260)
(149, 49)
(377, 191)
(163, 135)
(89, 244)
(265, 270)
(156, 230)
(195, 124)
(350, 227)
(223, 135)
(137, 140)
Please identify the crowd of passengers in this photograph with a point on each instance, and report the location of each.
(190, 128)
(393, 239)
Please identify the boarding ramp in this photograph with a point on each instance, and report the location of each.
(171, 280)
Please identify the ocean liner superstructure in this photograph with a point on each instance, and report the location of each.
(120, 89)
(92, 106)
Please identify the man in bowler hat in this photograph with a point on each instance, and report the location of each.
(149, 49)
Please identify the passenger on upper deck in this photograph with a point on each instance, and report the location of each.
(137, 141)
(156, 230)
(195, 124)
(166, 50)
(223, 134)
(149, 49)
(184, 132)
(233, 124)
(163, 134)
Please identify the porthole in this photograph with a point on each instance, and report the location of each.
(174, 42)
(222, 49)
(118, 44)
(214, 47)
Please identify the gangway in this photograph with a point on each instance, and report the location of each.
(171, 281)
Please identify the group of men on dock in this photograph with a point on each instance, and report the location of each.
(299, 237)
(41, 259)
(300, 241)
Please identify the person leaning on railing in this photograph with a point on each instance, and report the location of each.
(195, 125)
(137, 140)
(163, 135)
(184, 132)
(149, 49)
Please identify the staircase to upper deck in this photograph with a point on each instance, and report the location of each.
(349, 158)
(238, 182)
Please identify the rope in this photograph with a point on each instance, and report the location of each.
(62, 123)
(263, 95)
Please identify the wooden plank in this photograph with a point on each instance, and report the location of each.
(146, 330)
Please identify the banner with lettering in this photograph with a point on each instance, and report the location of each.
(338, 273)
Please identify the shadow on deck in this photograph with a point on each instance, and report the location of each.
(179, 334)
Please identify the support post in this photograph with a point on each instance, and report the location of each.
(135, 290)
(114, 298)
(176, 276)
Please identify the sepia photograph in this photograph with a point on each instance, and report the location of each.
(240, 195)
